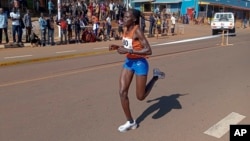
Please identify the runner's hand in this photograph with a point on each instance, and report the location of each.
(113, 47)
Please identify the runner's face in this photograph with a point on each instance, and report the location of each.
(128, 18)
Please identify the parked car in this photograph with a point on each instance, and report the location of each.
(223, 21)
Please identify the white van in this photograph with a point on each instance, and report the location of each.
(223, 21)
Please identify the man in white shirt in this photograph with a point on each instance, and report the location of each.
(108, 25)
(16, 28)
(111, 10)
(172, 24)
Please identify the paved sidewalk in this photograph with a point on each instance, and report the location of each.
(26, 54)
(181, 31)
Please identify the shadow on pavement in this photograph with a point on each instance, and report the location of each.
(163, 106)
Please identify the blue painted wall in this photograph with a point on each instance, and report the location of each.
(187, 4)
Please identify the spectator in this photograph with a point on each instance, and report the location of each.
(97, 10)
(77, 23)
(108, 25)
(50, 7)
(164, 25)
(116, 12)
(173, 20)
(3, 26)
(158, 24)
(82, 23)
(157, 11)
(103, 9)
(120, 27)
(121, 9)
(51, 28)
(245, 22)
(69, 22)
(95, 22)
(151, 25)
(16, 29)
(43, 26)
(21, 26)
(91, 9)
(37, 5)
(111, 10)
(74, 9)
(64, 26)
(28, 25)
(16, 4)
(194, 14)
(143, 23)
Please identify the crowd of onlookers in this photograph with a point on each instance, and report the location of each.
(75, 19)
(79, 22)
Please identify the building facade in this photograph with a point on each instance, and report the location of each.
(202, 8)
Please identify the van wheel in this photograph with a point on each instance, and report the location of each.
(232, 32)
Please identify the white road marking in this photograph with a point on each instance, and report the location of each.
(101, 48)
(187, 40)
(67, 51)
(222, 127)
(173, 42)
(13, 57)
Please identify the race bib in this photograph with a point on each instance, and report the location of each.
(127, 43)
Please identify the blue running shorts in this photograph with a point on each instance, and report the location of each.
(138, 65)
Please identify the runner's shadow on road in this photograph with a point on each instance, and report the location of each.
(163, 106)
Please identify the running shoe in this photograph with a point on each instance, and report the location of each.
(157, 72)
(127, 126)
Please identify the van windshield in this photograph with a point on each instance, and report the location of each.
(224, 16)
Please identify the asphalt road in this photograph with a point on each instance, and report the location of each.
(206, 88)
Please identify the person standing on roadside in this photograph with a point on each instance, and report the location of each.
(50, 7)
(16, 29)
(108, 26)
(136, 49)
(70, 27)
(3, 26)
(77, 23)
(28, 25)
(111, 10)
(151, 25)
(43, 27)
(37, 5)
(120, 27)
(64, 26)
(173, 20)
(143, 23)
(51, 26)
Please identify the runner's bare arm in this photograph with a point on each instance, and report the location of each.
(146, 50)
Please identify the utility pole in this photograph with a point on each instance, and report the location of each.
(59, 16)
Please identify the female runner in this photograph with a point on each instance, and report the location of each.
(136, 48)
